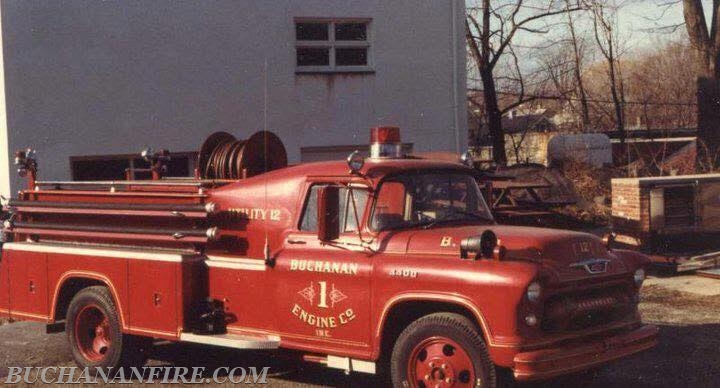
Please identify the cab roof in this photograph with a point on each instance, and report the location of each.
(373, 169)
(372, 172)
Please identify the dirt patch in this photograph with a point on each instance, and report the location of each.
(689, 320)
(662, 301)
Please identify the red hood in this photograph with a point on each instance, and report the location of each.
(556, 249)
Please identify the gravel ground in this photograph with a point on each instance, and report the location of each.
(686, 308)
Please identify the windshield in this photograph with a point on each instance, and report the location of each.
(428, 198)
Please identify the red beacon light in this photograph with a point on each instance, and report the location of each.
(385, 142)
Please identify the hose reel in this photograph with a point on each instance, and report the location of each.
(222, 156)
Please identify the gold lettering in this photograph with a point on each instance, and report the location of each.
(322, 322)
(324, 267)
(353, 269)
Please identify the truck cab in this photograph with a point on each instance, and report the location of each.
(389, 264)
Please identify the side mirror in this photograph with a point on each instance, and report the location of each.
(328, 213)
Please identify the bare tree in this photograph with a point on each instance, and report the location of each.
(605, 22)
(490, 29)
(577, 70)
(706, 43)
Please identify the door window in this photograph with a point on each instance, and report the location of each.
(352, 207)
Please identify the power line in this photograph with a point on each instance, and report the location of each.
(541, 97)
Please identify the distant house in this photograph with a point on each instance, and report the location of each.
(527, 136)
(518, 123)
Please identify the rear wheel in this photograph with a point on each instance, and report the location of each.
(95, 336)
(441, 350)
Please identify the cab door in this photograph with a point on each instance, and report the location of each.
(323, 288)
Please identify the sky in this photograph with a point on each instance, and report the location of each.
(642, 25)
(642, 21)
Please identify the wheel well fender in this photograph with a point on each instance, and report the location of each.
(402, 311)
(71, 283)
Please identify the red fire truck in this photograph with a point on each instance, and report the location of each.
(386, 264)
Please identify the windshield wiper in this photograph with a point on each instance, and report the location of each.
(429, 223)
(471, 214)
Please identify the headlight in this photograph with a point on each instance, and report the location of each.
(533, 291)
(639, 277)
(531, 320)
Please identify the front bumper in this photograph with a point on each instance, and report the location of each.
(551, 362)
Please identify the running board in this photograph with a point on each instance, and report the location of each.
(233, 340)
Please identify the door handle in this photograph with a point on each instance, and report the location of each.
(296, 241)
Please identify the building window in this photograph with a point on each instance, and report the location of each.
(332, 46)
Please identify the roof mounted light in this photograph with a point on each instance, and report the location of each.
(385, 142)
(355, 161)
(467, 159)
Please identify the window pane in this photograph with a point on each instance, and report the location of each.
(351, 56)
(309, 220)
(390, 209)
(311, 31)
(350, 31)
(360, 197)
(427, 198)
(307, 56)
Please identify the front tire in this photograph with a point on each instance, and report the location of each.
(441, 350)
(95, 336)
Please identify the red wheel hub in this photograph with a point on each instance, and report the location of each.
(92, 333)
(439, 362)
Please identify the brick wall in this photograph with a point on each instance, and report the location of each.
(630, 205)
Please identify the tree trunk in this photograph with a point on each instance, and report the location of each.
(494, 117)
(706, 44)
(585, 111)
(708, 147)
(700, 37)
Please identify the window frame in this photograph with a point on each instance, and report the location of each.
(362, 212)
(371, 212)
(331, 44)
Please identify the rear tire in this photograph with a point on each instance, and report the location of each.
(95, 335)
(441, 349)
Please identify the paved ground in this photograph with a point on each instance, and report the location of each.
(687, 309)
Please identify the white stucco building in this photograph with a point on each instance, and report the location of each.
(92, 83)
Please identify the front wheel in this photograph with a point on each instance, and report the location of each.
(95, 336)
(441, 350)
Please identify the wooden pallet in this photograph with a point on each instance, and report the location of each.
(705, 261)
(710, 273)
